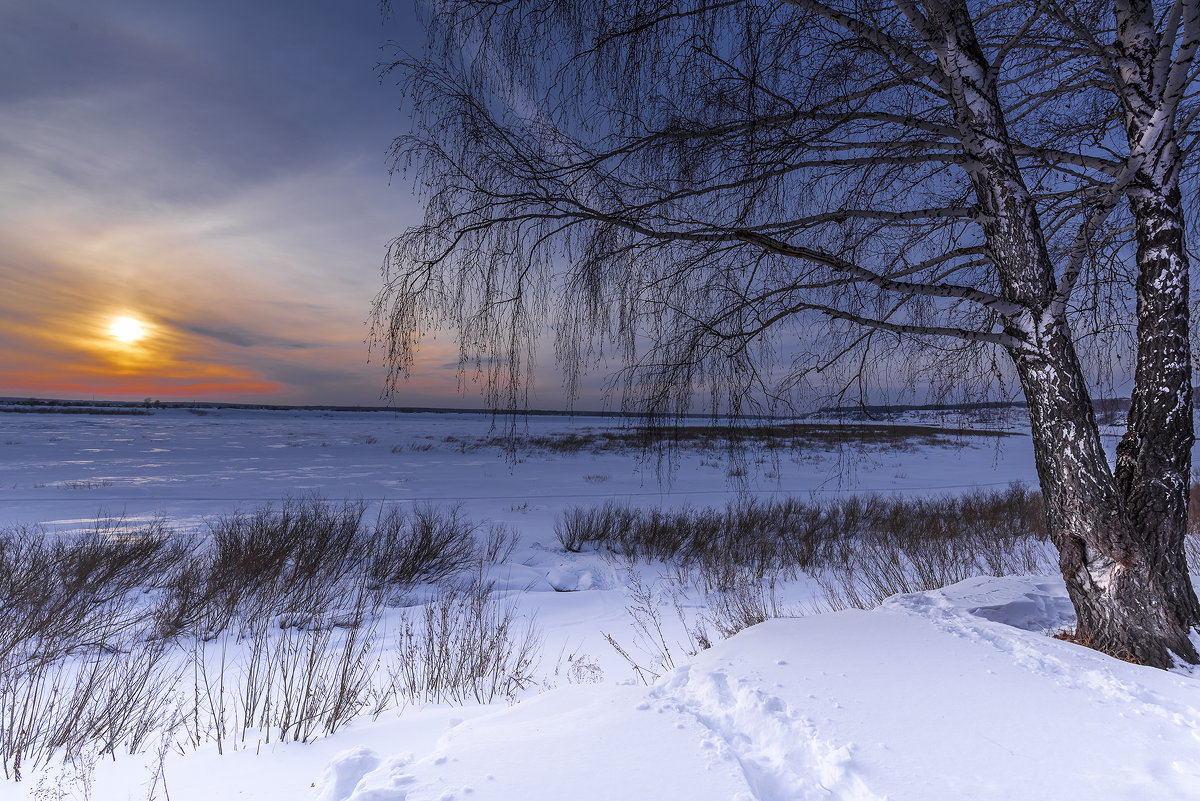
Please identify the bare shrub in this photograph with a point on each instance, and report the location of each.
(745, 602)
(99, 702)
(652, 652)
(765, 535)
(737, 598)
(193, 601)
(309, 555)
(279, 560)
(64, 593)
(285, 682)
(861, 549)
(98, 629)
(465, 646)
(421, 544)
(115, 558)
(498, 545)
(608, 525)
(309, 683)
(786, 534)
(74, 674)
(902, 546)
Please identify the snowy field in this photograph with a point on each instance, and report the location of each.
(950, 693)
(62, 470)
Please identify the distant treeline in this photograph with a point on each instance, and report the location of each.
(27, 409)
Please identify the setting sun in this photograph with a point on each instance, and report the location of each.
(127, 329)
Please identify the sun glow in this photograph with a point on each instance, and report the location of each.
(127, 330)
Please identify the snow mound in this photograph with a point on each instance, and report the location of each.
(571, 580)
(935, 696)
(388, 782)
(345, 772)
(1033, 604)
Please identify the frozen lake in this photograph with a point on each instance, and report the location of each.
(65, 470)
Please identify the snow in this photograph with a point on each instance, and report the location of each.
(949, 694)
(932, 696)
(62, 469)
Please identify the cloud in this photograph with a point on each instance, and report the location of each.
(216, 170)
(242, 337)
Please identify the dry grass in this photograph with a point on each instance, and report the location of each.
(267, 628)
(860, 550)
(464, 647)
(1078, 638)
(873, 543)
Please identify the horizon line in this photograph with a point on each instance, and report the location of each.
(66, 403)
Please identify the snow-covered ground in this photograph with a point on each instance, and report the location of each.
(943, 695)
(950, 694)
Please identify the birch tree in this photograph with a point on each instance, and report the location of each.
(710, 188)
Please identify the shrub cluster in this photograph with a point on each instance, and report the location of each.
(789, 535)
(859, 549)
(268, 626)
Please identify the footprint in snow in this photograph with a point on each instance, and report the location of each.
(778, 751)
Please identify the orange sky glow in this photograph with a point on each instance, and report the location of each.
(204, 334)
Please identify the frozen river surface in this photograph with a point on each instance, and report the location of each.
(65, 470)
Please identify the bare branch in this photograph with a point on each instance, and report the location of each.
(999, 305)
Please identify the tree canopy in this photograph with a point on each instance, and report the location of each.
(737, 197)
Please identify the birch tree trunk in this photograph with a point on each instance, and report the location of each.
(1154, 458)
(1120, 544)
(1132, 596)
